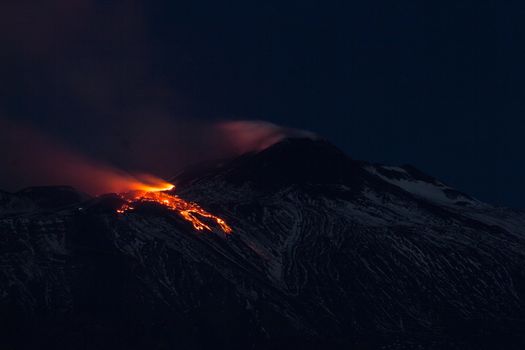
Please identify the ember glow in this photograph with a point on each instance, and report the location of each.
(148, 183)
(190, 211)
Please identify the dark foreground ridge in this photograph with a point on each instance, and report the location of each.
(326, 252)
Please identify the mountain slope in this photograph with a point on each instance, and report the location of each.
(326, 251)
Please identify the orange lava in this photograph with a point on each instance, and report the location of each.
(190, 211)
(148, 183)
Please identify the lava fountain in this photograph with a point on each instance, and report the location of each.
(159, 194)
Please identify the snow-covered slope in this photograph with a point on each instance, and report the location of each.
(423, 186)
(325, 252)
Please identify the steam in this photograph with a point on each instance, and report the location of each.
(255, 135)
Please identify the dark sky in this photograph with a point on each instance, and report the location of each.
(439, 86)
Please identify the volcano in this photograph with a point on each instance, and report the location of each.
(319, 251)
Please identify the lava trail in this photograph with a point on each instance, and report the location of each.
(190, 211)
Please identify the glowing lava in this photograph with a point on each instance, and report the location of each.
(190, 211)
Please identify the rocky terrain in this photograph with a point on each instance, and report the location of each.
(326, 252)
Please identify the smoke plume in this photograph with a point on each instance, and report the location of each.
(30, 157)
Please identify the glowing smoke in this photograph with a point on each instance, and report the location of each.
(31, 158)
(255, 135)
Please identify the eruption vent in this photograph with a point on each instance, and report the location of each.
(190, 211)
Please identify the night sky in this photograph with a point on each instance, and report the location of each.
(439, 86)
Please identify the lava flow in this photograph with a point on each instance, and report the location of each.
(190, 211)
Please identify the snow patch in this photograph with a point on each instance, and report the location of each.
(435, 192)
